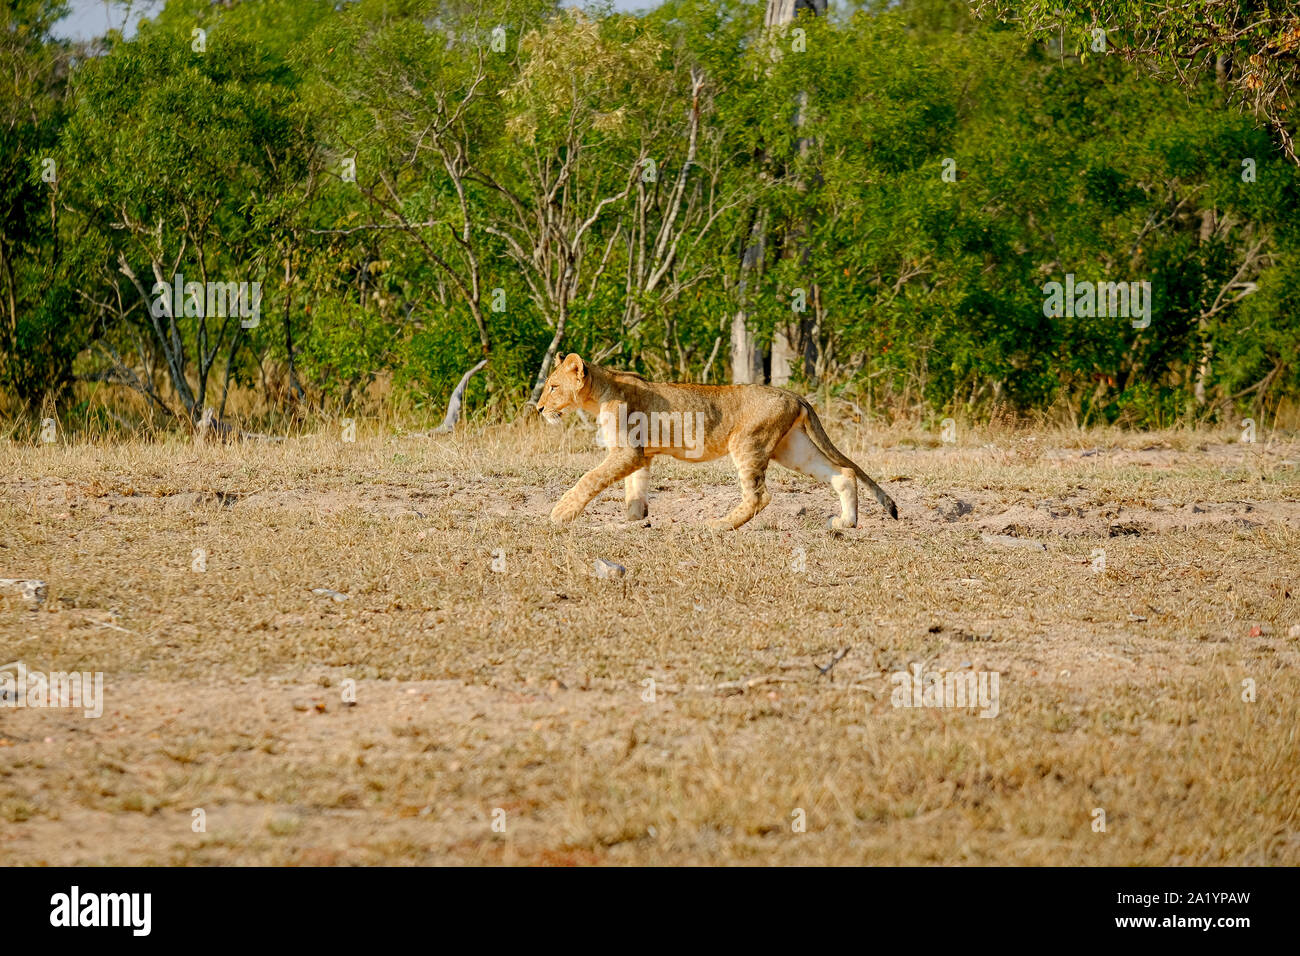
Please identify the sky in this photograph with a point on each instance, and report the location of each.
(91, 18)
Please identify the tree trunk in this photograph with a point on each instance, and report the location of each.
(746, 356)
(797, 333)
(1208, 223)
(545, 369)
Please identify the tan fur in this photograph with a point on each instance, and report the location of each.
(754, 424)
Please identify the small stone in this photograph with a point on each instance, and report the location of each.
(608, 569)
(30, 590)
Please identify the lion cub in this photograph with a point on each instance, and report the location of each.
(754, 424)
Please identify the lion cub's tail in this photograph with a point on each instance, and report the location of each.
(825, 446)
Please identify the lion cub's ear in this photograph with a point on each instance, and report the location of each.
(574, 361)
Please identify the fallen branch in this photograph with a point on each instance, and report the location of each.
(1011, 541)
(457, 398)
(822, 671)
(210, 424)
(740, 686)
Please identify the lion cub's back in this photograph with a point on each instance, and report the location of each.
(727, 408)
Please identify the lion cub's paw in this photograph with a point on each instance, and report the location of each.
(564, 512)
(719, 524)
(839, 524)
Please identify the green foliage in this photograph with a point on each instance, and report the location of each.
(1251, 48)
(421, 184)
(39, 336)
(171, 156)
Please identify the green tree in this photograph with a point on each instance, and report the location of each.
(172, 153)
(39, 331)
(1252, 48)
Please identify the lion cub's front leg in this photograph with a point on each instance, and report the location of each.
(636, 489)
(618, 464)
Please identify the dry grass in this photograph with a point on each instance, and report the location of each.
(523, 690)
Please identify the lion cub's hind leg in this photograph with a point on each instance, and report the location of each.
(750, 458)
(798, 453)
(636, 493)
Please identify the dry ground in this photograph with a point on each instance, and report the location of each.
(524, 690)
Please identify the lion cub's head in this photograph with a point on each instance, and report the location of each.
(566, 387)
